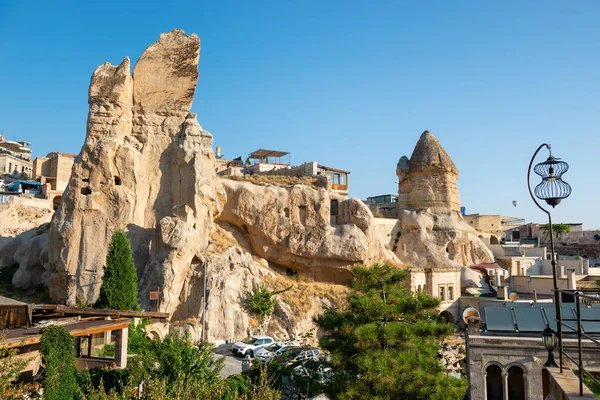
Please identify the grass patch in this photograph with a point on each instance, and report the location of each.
(303, 289)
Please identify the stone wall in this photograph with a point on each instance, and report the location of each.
(527, 353)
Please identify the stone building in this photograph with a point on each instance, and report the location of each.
(54, 172)
(15, 157)
(505, 360)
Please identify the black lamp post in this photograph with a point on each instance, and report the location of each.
(552, 190)
(550, 341)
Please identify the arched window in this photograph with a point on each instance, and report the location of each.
(493, 383)
(516, 383)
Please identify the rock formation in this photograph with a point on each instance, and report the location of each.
(431, 231)
(147, 167)
(293, 227)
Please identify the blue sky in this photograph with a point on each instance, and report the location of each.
(351, 84)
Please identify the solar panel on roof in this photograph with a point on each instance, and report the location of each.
(530, 319)
(499, 319)
(550, 316)
(593, 314)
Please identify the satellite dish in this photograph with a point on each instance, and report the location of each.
(469, 312)
(514, 296)
(515, 203)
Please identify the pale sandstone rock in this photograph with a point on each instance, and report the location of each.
(431, 232)
(146, 167)
(292, 227)
(428, 179)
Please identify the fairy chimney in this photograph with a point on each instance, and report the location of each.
(428, 178)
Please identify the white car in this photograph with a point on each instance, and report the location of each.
(273, 350)
(248, 346)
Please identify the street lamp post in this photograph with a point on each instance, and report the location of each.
(550, 342)
(204, 296)
(552, 190)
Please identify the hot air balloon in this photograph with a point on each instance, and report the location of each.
(515, 203)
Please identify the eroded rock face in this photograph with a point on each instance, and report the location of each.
(438, 239)
(428, 179)
(293, 227)
(146, 167)
(431, 232)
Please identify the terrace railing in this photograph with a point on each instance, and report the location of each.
(581, 298)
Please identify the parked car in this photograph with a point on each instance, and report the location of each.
(312, 369)
(248, 346)
(296, 355)
(273, 350)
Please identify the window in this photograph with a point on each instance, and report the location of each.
(343, 179)
(334, 208)
(450, 292)
(442, 290)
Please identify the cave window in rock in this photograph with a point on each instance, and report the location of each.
(56, 202)
(290, 272)
(493, 383)
(117, 181)
(286, 212)
(516, 383)
(302, 213)
(86, 180)
(494, 240)
(86, 191)
(245, 228)
(334, 208)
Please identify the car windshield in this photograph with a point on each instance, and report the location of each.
(274, 347)
(249, 340)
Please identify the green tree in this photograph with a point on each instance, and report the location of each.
(384, 344)
(119, 284)
(558, 229)
(58, 357)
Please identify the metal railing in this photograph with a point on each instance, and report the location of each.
(580, 295)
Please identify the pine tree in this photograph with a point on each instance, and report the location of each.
(119, 284)
(384, 344)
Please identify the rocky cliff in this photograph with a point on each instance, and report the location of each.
(147, 167)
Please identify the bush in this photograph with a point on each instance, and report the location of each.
(260, 301)
(119, 284)
(58, 357)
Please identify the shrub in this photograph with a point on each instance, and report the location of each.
(119, 284)
(58, 357)
(260, 301)
(10, 368)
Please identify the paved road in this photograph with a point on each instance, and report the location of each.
(233, 364)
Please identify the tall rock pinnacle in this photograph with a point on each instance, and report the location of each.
(429, 178)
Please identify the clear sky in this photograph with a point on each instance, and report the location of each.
(350, 84)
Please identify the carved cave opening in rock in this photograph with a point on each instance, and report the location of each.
(494, 240)
(245, 228)
(516, 383)
(493, 380)
(117, 181)
(334, 208)
(302, 213)
(56, 202)
(286, 212)
(86, 191)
